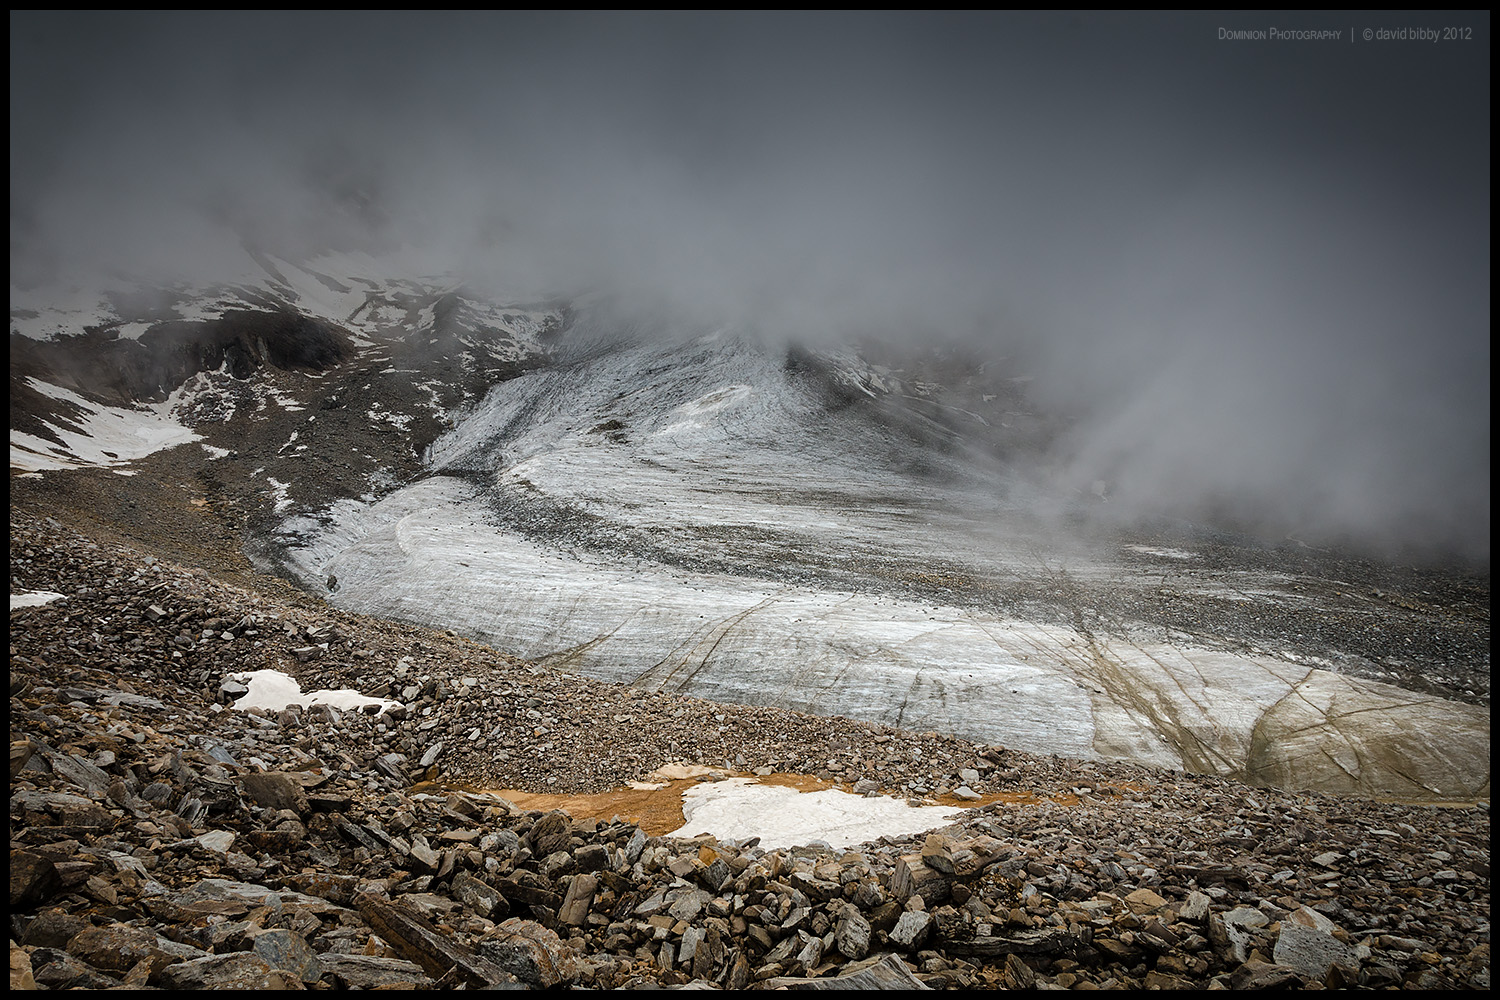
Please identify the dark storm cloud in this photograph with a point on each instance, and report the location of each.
(1258, 270)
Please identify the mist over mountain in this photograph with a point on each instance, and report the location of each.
(1255, 273)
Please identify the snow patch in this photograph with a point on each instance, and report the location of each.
(33, 598)
(110, 435)
(132, 331)
(283, 498)
(49, 313)
(740, 808)
(284, 401)
(401, 421)
(272, 690)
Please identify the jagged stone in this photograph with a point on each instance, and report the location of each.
(1311, 950)
(1018, 975)
(852, 935)
(811, 954)
(911, 928)
(217, 841)
(53, 928)
(332, 886)
(289, 953)
(1156, 979)
(687, 948)
(1041, 941)
(327, 802)
(274, 790)
(580, 896)
(912, 877)
(635, 846)
(479, 896)
(710, 959)
(239, 971)
(33, 878)
(392, 766)
(423, 856)
(20, 755)
(1312, 919)
(117, 947)
(20, 969)
(417, 940)
(368, 972)
(528, 892)
(937, 854)
(55, 969)
(1196, 908)
(1229, 932)
(592, 858)
(530, 952)
(1255, 975)
(76, 771)
(222, 889)
(1144, 901)
(887, 972)
(687, 903)
(550, 833)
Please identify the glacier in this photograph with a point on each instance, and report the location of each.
(743, 522)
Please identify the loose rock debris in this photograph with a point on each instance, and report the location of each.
(162, 839)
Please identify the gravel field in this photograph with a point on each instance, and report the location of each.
(160, 839)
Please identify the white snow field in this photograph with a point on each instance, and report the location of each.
(33, 598)
(104, 435)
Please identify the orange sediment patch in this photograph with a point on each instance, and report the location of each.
(654, 810)
(1006, 798)
(801, 782)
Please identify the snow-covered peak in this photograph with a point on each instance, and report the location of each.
(383, 298)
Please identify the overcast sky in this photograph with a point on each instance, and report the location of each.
(1257, 267)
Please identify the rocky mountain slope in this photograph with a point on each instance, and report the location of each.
(398, 485)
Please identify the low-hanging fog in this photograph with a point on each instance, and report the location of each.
(1254, 272)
